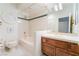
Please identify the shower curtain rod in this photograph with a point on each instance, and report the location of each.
(34, 17)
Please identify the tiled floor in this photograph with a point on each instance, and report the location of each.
(18, 51)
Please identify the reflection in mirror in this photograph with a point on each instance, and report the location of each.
(67, 17)
(68, 13)
(63, 24)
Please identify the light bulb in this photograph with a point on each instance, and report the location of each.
(56, 8)
(60, 6)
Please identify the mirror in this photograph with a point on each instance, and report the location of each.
(63, 24)
(68, 18)
(64, 17)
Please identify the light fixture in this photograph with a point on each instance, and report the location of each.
(60, 6)
(56, 8)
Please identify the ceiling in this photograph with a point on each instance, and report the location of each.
(36, 9)
(33, 9)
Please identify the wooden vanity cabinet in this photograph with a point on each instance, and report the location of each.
(54, 47)
(61, 52)
(74, 48)
(47, 48)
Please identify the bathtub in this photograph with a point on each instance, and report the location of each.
(28, 44)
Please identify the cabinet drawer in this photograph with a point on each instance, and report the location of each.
(48, 50)
(61, 52)
(58, 43)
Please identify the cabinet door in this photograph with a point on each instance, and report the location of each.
(74, 48)
(61, 52)
(48, 50)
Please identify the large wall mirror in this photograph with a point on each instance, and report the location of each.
(68, 18)
(63, 24)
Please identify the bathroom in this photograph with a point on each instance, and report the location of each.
(22, 24)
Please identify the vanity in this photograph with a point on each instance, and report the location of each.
(60, 44)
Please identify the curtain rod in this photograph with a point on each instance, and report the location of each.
(34, 17)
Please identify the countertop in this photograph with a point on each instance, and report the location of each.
(74, 38)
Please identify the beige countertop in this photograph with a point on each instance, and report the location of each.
(63, 36)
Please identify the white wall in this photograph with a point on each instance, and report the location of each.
(38, 24)
(76, 14)
(23, 27)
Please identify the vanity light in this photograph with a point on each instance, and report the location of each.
(60, 6)
(56, 8)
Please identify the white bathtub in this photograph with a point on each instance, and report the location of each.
(28, 45)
